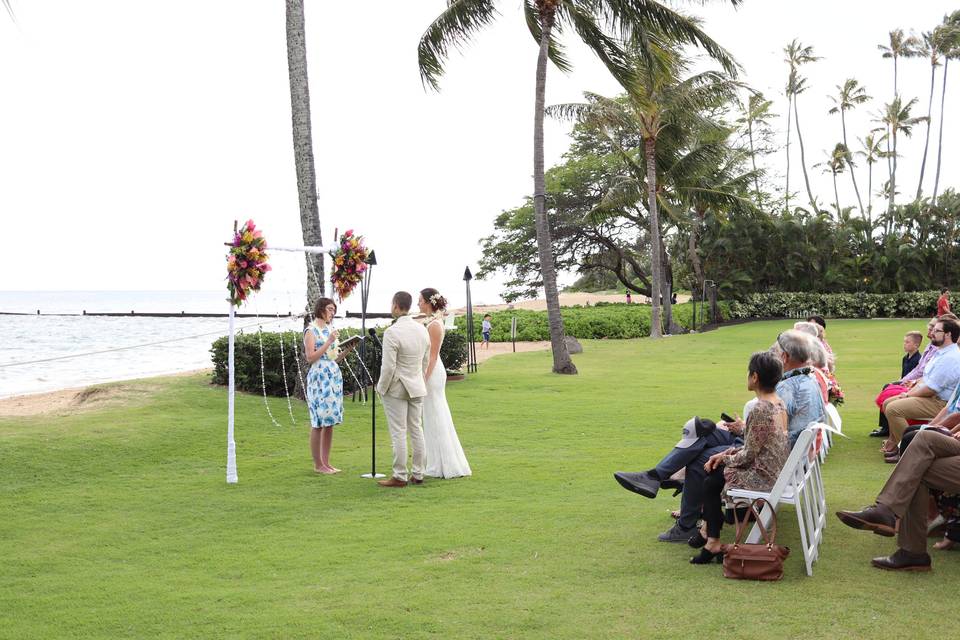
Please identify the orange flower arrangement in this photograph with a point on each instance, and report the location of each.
(246, 263)
(349, 263)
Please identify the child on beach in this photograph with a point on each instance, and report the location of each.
(485, 330)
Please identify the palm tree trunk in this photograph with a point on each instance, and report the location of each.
(836, 195)
(853, 175)
(870, 197)
(694, 254)
(943, 97)
(303, 149)
(753, 159)
(893, 174)
(561, 356)
(650, 148)
(803, 159)
(926, 142)
(789, 123)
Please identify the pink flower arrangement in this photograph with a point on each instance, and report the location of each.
(349, 263)
(246, 263)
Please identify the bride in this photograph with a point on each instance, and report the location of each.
(445, 458)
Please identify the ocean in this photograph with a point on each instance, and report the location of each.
(47, 352)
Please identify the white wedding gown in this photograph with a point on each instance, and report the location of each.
(445, 458)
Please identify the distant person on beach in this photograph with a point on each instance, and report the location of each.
(943, 302)
(485, 328)
(324, 383)
(629, 298)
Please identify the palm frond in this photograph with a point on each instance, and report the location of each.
(453, 28)
(555, 51)
(606, 48)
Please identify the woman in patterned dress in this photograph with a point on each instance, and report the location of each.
(324, 383)
(755, 465)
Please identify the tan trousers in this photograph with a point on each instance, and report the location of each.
(899, 410)
(405, 415)
(932, 461)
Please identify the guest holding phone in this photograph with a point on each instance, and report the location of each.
(324, 383)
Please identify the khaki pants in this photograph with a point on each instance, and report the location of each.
(899, 410)
(932, 461)
(405, 415)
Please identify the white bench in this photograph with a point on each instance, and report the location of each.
(801, 485)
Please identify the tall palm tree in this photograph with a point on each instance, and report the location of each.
(834, 165)
(9, 8)
(947, 37)
(873, 150)
(798, 55)
(900, 46)
(850, 95)
(756, 114)
(927, 48)
(897, 119)
(547, 19)
(303, 148)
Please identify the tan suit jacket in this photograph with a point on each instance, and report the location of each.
(406, 354)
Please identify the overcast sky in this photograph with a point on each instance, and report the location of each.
(132, 134)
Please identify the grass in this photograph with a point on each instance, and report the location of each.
(117, 522)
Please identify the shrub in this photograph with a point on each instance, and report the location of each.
(914, 304)
(247, 365)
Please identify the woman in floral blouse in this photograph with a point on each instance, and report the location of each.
(755, 465)
(324, 383)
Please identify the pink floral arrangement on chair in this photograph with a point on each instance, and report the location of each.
(246, 263)
(349, 263)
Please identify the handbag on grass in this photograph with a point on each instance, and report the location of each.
(755, 561)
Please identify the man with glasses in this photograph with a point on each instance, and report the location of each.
(927, 397)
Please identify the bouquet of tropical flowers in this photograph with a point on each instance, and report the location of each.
(246, 262)
(349, 263)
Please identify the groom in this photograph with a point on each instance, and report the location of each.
(406, 353)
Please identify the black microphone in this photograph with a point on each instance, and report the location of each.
(373, 334)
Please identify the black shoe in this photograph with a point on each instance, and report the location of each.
(903, 560)
(880, 432)
(696, 540)
(878, 518)
(638, 482)
(676, 533)
(676, 485)
(706, 557)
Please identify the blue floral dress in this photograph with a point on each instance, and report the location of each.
(324, 385)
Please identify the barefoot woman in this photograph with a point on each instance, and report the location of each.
(324, 383)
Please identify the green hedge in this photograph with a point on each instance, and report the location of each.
(603, 320)
(915, 304)
(247, 360)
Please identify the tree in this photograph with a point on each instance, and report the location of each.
(755, 117)
(797, 56)
(947, 37)
(547, 19)
(834, 165)
(9, 8)
(850, 95)
(897, 119)
(303, 148)
(899, 47)
(929, 49)
(873, 150)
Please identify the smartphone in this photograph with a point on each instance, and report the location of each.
(726, 418)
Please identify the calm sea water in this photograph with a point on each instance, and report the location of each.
(184, 342)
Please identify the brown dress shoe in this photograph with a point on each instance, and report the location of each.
(413, 480)
(878, 518)
(903, 560)
(393, 481)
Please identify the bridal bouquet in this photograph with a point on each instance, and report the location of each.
(349, 263)
(246, 262)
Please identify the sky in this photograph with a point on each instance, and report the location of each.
(133, 134)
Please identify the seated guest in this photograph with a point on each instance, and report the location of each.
(818, 358)
(907, 380)
(932, 461)
(755, 465)
(911, 352)
(926, 398)
(822, 338)
(801, 397)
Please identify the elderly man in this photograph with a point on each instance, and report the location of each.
(932, 461)
(804, 404)
(929, 396)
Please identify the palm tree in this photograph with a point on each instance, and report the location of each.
(873, 150)
(897, 119)
(756, 115)
(798, 55)
(303, 148)
(850, 95)
(899, 47)
(834, 165)
(545, 20)
(947, 37)
(928, 49)
(9, 8)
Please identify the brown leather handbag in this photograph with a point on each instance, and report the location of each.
(755, 561)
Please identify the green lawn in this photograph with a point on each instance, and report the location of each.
(118, 523)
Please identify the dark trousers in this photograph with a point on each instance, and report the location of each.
(692, 459)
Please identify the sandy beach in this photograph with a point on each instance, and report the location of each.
(566, 300)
